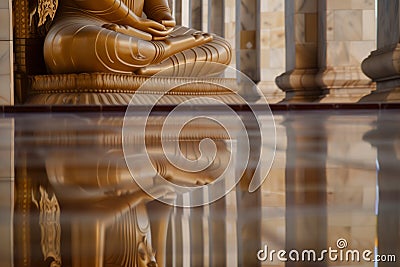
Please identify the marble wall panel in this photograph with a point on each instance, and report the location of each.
(348, 38)
(6, 73)
(348, 25)
(6, 54)
(5, 24)
(272, 47)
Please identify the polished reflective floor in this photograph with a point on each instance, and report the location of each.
(68, 197)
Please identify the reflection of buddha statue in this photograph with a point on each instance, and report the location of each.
(113, 36)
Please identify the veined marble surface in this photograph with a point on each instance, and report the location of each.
(335, 176)
(6, 54)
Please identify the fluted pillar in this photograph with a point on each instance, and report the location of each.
(383, 65)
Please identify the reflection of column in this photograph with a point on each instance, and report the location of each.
(383, 64)
(351, 181)
(301, 51)
(249, 222)
(386, 139)
(6, 192)
(272, 48)
(347, 34)
(218, 233)
(306, 225)
(249, 204)
(6, 54)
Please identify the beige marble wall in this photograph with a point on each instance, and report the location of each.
(6, 54)
(347, 38)
(326, 43)
(272, 48)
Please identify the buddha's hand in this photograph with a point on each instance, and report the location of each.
(175, 44)
(158, 10)
(157, 30)
(128, 30)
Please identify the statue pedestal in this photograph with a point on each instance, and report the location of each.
(118, 89)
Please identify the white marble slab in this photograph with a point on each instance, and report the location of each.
(5, 20)
(5, 25)
(6, 73)
(6, 54)
(5, 4)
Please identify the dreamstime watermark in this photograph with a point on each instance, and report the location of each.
(341, 253)
(231, 143)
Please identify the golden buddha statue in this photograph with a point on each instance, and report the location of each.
(127, 36)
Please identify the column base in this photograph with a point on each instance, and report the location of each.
(344, 84)
(300, 85)
(383, 67)
(330, 85)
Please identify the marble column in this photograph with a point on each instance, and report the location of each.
(347, 35)
(230, 27)
(306, 187)
(196, 7)
(6, 192)
(216, 17)
(326, 43)
(247, 41)
(388, 159)
(382, 65)
(272, 48)
(6, 54)
(298, 82)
